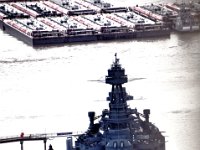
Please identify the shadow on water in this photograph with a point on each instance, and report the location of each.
(20, 61)
(180, 111)
(146, 39)
(14, 60)
(188, 36)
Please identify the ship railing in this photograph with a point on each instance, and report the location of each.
(114, 10)
(50, 14)
(113, 29)
(81, 32)
(43, 33)
(81, 12)
(142, 137)
(148, 27)
(20, 138)
(118, 120)
(31, 137)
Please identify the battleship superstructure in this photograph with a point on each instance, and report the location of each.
(119, 127)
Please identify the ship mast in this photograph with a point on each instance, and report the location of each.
(118, 96)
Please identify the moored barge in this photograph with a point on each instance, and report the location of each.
(54, 22)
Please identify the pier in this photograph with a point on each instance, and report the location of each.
(33, 137)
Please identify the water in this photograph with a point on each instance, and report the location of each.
(47, 89)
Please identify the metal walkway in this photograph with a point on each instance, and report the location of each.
(33, 137)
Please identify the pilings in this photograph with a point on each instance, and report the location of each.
(22, 146)
(45, 144)
(33, 137)
(21, 139)
(21, 143)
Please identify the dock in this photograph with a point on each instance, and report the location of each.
(33, 137)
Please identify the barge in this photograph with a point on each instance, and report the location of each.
(54, 22)
(188, 18)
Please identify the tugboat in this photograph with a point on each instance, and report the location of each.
(119, 127)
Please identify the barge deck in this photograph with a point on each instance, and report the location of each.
(48, 22)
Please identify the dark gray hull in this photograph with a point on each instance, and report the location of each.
(1, 24)
(113, 36)
(39, 41)
(63, 39)
(10, 30)
(149, 34)
(46, 40)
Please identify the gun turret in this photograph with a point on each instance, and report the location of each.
(146, 114)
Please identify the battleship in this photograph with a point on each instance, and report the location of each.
(118, 127)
